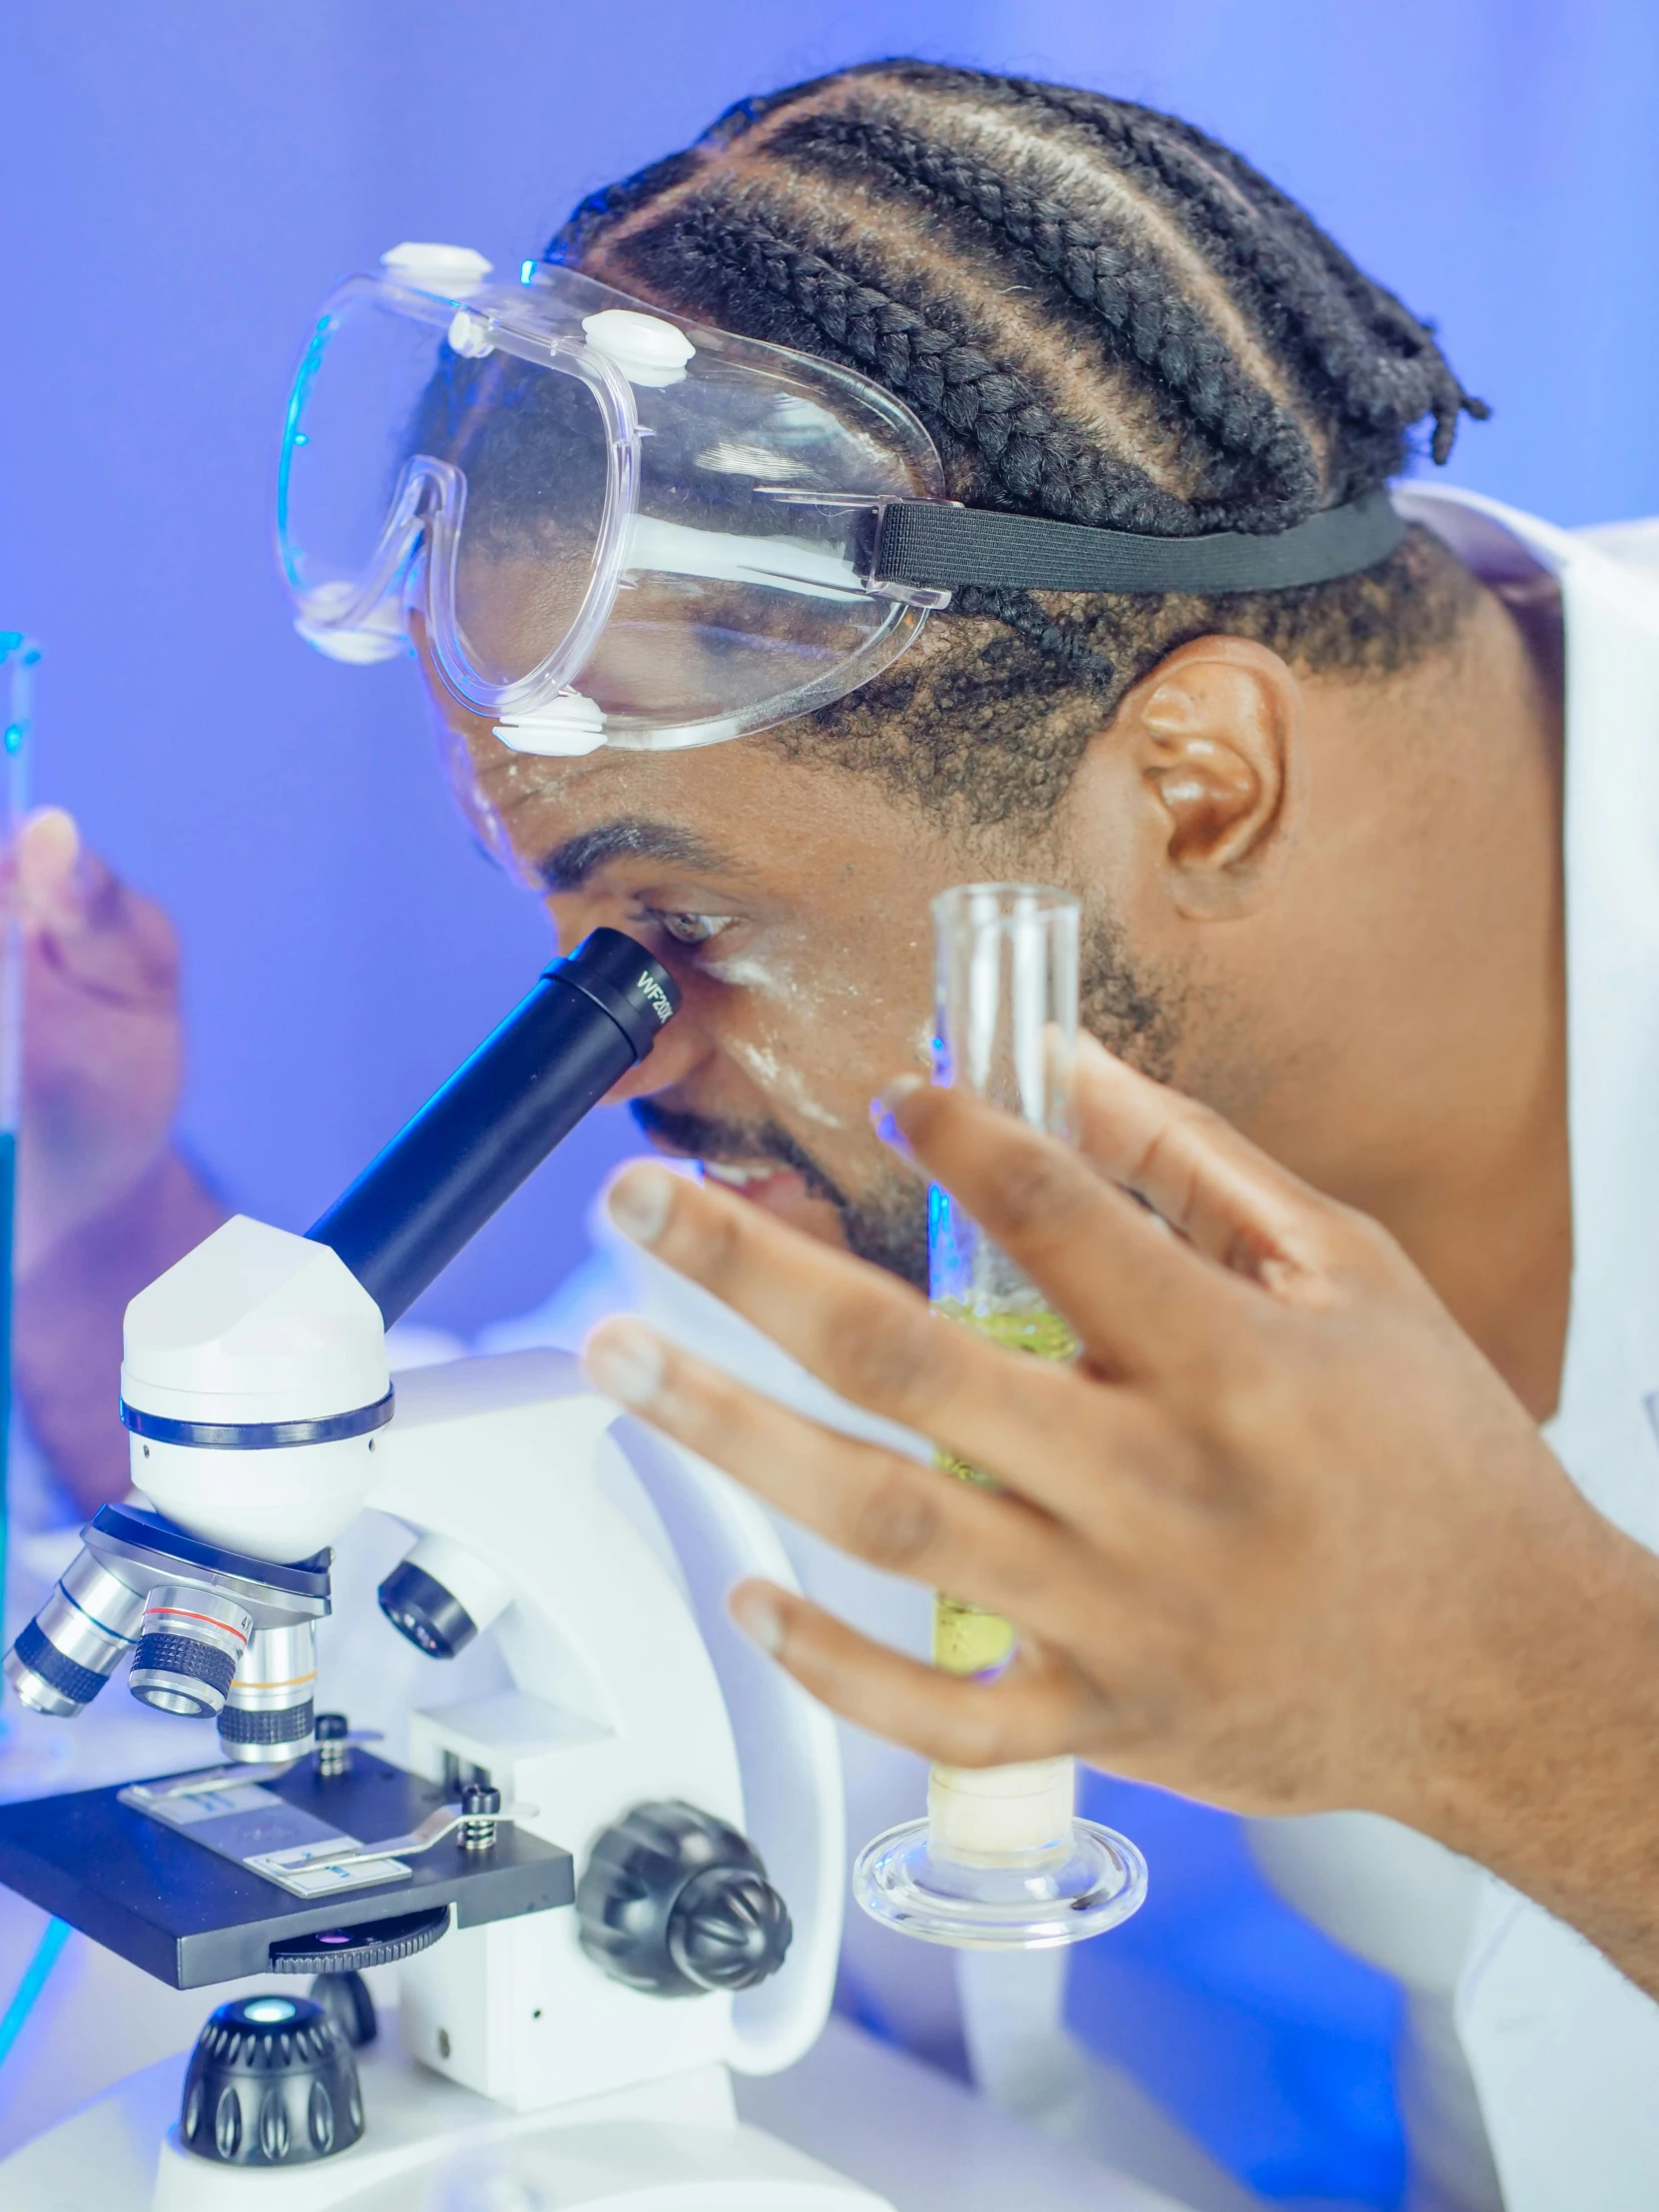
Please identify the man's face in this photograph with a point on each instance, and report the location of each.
(790, 905)
(789, 899)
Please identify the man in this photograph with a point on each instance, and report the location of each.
(1317, 829)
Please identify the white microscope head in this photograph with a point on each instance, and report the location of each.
(257, 1339)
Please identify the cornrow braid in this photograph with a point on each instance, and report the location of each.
(1101, 315)
(1034, 461)
(1377, 359)
(1163, 333)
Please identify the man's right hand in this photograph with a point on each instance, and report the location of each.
(1281, 1537)
(103, 1050)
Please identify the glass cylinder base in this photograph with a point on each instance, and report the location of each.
(1087, 1884)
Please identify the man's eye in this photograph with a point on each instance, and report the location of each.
(692, 928)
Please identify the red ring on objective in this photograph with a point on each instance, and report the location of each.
(178, 1613)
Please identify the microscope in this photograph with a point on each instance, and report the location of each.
(605, 1887)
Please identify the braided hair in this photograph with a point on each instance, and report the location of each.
(1102, 316)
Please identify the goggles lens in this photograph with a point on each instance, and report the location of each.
(343, 453)
(532, 450)
(407, 460)
(641, 540)
(732, 597)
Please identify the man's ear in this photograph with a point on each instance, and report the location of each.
(1215, 734)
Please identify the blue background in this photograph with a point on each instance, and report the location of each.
(180, 184)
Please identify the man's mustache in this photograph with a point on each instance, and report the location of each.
(704, 1138)
(892, 1235)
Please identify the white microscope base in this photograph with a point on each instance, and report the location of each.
(919, 2139)
(424, 2131)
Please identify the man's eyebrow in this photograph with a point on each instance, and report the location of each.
(568, 866)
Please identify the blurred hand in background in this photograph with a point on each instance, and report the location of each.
(104, 1047)
(104, 1202)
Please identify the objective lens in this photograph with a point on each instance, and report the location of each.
(191, 1643)
(76, 1641)
(268, 1712)
(441, 1596)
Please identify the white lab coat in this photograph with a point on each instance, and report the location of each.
(1518, 2028)
(1563, 2051)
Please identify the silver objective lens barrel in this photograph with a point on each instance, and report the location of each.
(188, 1649)
(268, 1709)
(76, 1641)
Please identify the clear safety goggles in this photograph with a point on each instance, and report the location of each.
(618, 527)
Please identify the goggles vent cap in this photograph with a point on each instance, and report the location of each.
(444, 268)
(647, 348)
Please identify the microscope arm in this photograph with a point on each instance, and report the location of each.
(786, 1742)
(611, 1554)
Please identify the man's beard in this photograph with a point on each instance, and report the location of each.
(1135, 1014)
(887, 1225)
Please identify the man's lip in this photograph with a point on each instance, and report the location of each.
(764, 1182)
(736, 1175)
(748, 1175)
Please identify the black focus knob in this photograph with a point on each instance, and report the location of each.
(270, 2082)
(676, 1902)
(730, 1929)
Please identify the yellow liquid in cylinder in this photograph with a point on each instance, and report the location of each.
(968, 1640)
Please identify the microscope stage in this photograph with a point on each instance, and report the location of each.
(191, 1917)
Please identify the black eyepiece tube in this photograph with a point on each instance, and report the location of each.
(586, 1023)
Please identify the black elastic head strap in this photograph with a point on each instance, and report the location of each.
(929, 546)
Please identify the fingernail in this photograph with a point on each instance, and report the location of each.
(757, 1614)
(625, 1362)
(639, 1200)
(881, 1108)
(53, 830)
(47, 850)
(900, 1088)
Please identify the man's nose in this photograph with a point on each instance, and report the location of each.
(680, 1048)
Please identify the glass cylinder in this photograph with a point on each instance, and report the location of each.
(1004, 1028)
(1001, 1861)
